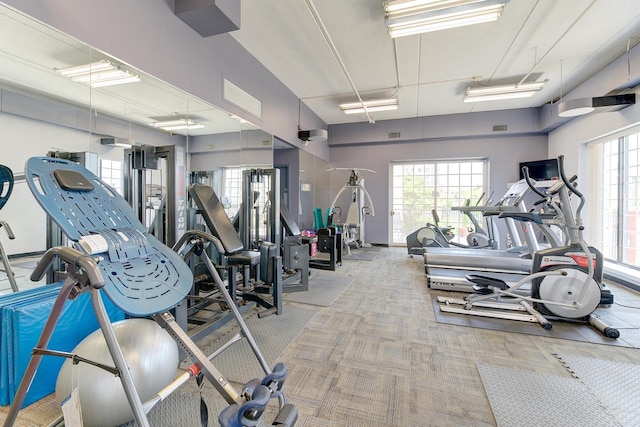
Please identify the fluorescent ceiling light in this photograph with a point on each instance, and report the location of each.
(370, 106)
(494, 93)
(117, 142)
(407, 17)
(99, 74)
(177, 124)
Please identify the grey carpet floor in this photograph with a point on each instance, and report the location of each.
(272, 334)
(324, 289)
(377, 356)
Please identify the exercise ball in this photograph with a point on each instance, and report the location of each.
(151, 355)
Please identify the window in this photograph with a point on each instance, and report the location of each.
(111, 173)
(615, 205)
(231, 195)
(417, 188)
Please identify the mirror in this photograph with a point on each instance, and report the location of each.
(44, 111)
(314, 188)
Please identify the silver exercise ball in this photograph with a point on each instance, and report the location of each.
(150, 353)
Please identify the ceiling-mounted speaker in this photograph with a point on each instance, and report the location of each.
(601, 104)
(313, 135)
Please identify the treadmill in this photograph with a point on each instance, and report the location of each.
(446, 268)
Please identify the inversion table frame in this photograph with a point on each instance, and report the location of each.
(141, 276)
(6, 180)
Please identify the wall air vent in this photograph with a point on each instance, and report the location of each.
(393, 135)
(499, 128)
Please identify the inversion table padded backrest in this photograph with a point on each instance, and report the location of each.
(6, 184)
(142, 276)
(215, 217)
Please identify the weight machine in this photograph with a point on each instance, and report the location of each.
(156, 188)
(261, 228)
(353, 228)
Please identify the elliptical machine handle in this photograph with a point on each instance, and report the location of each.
(567, 182)
(527, 178)
(570, 186)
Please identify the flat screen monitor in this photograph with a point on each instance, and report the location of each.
(541, 170)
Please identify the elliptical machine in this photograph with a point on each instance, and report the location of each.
(566, 281)
(439, 236)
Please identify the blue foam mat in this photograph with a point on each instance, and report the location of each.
(6, 331)
(23, 320)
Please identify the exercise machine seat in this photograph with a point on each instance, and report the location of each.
(220, 225)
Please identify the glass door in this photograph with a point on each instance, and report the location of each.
(419, 188)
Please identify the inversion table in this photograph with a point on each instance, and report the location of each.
(6, 187)
(141, 276)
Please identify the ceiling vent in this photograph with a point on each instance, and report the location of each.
(313, 135)
(602, 104)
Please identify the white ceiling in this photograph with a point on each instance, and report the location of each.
(428, 73)
(564, 41)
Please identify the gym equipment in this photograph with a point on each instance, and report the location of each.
(140, 276)
(154, 186)
(55, 236)
(265, 288)
(478, 237)
(6, 187)
(296, 253)
(262, 222)
(435, 235)
(152, 358)
(353, 228)
(566, 281)
(428, 236)
(260, 214)
(329, 242)
(446, 268)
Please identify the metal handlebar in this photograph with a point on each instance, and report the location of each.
(199, 234)
(527, 178)
(8, 230)
(572, 188)
(73, 257)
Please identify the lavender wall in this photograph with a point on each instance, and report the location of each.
(504, 154)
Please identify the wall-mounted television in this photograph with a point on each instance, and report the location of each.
(541, 170)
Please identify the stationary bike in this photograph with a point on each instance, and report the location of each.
(566, 281)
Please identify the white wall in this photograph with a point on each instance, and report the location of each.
(571, 138)
(21, 139)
